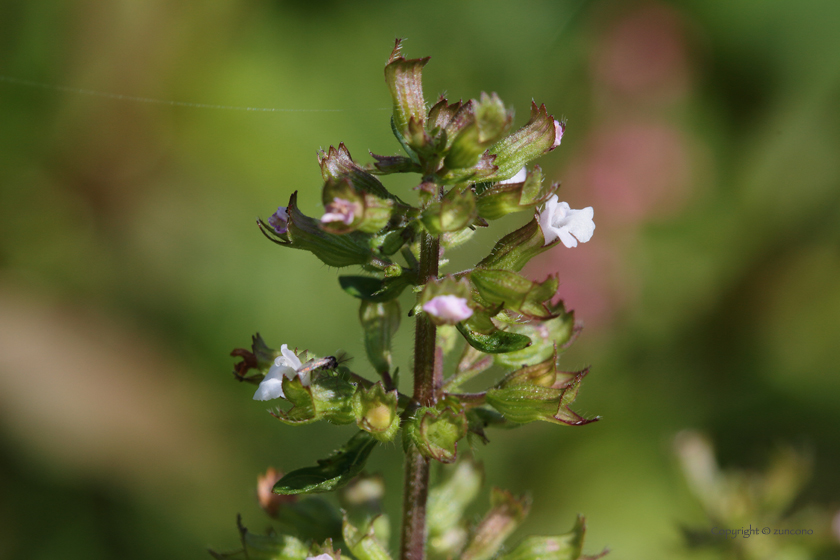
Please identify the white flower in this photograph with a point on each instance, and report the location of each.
(520, 177)
(558, 220)
(449, 308)
(287, 365)
(339, 210)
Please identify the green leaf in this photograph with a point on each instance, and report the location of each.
(331, 473)
(311, 519)
(375, 289)
(483, 335)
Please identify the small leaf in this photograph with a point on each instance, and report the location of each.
(331, 473)
(483, 335)
(374, 289)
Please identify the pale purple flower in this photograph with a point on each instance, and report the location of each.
(520, 177)
(324, 556)
(559, 129)
(339, 210)
(280, 220)
(448, 308)
(571, 226)
(286, 365)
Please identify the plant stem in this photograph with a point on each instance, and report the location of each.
(427, 376)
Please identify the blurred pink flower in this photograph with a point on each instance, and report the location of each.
(645, 53)
(634, 171)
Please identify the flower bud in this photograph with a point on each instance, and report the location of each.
(489, 123)
(454, 212)
(435, 433)
(405, 80)
(538, 136)
(280, 220)
(446, 301)
(376, 411)
(306, 233)
(514, 250)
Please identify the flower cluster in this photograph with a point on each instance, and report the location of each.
(472, 171)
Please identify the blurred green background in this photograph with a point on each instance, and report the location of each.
(705, 133)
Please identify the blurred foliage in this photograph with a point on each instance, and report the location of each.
(705, 134)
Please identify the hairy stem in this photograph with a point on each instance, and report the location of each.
(427, 376)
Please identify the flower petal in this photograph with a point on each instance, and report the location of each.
(270, 388)
(291, 359)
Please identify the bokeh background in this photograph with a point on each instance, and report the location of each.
(705, 133)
